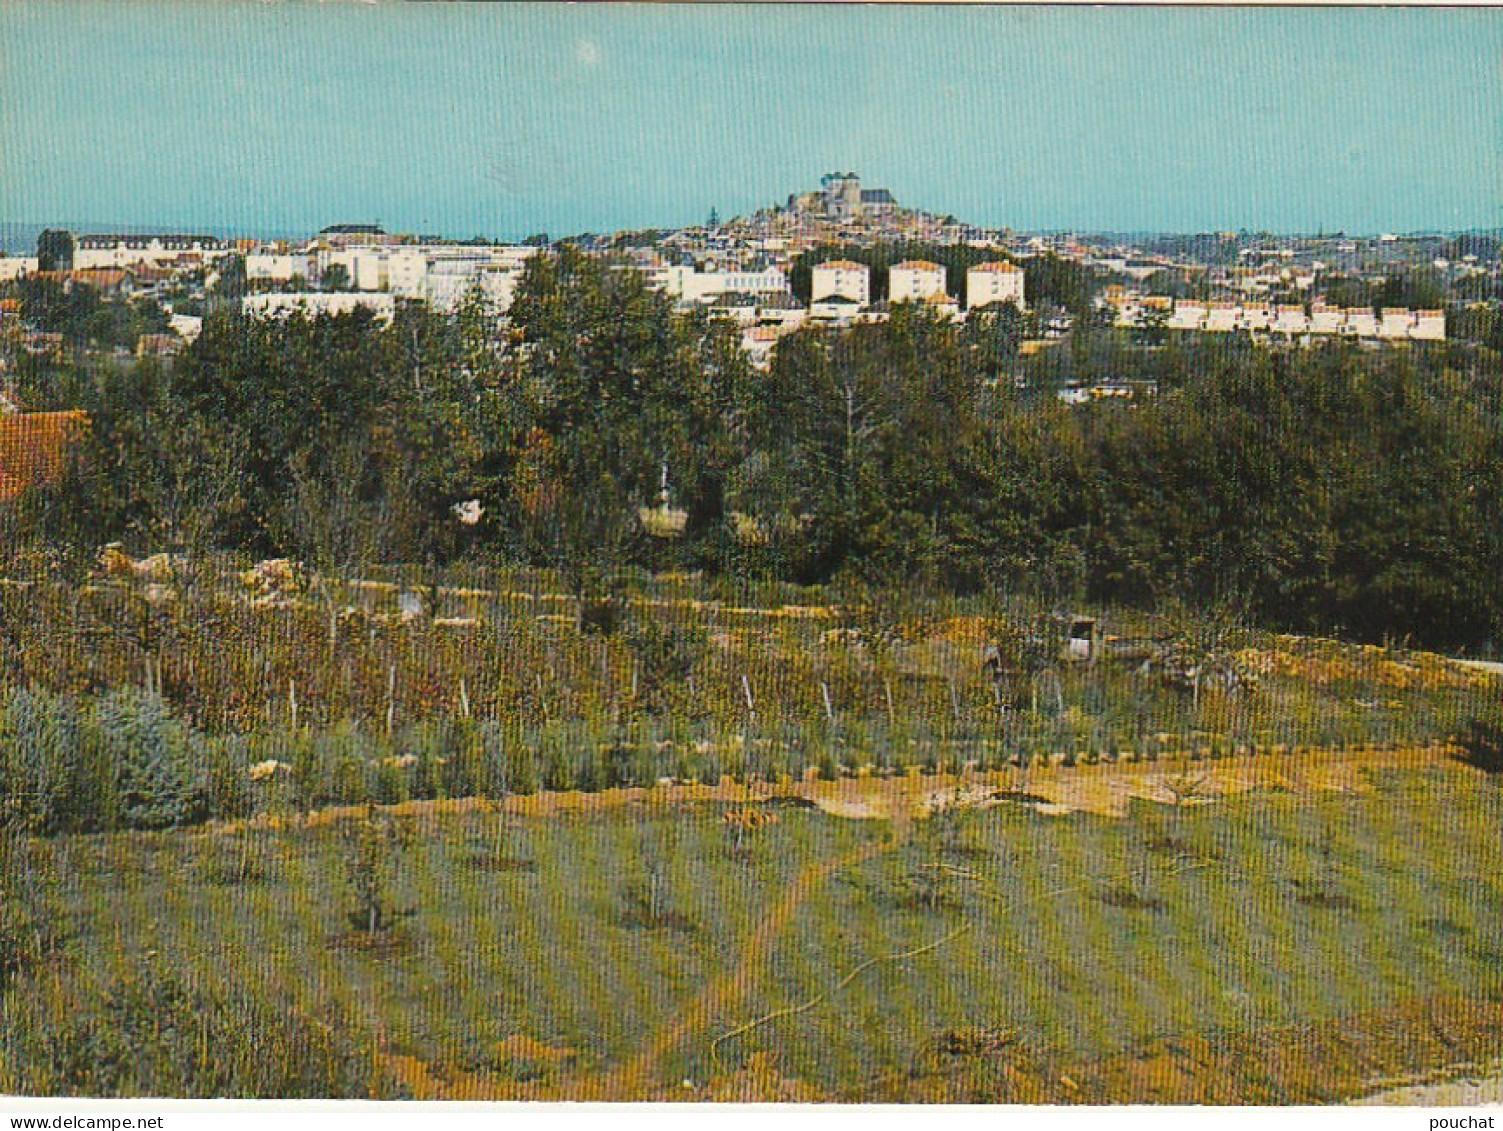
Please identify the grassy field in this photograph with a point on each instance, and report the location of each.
(616, 951)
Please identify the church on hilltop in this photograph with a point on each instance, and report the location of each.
(841, 199)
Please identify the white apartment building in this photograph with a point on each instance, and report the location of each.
(439, 274)
(691, 286)
(13, 267)
(1187, 316)
(997, 282)
(276, 268)
(122, 251)
(1399, 324)
(1222, 317)
(914, 281)
(843, 278)
(1428, 326)
(1326, 319)
(1290, 320)
(448, 284)
(406, 271)
(365, 267)
(314, 303)
(1394, 323)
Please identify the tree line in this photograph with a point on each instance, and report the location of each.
(1331, 489)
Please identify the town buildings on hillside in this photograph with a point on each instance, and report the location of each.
(742, 270)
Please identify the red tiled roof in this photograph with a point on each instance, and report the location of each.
(34, 448)
(91, 276)
(100, 276)
(1004, 268)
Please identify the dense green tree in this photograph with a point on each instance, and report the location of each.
(625, 408)
(55, 250)
(231, 282)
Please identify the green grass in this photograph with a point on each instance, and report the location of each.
(1267, 910)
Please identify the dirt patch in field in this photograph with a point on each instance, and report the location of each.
(758, 1082)
(1103, 788)
(519, 1051)
(519, 1046)
(1109, 789)
(872, 807)
(388, 944)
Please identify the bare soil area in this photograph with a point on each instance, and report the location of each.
(1103, 788)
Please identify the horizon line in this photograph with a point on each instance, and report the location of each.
(233, 230)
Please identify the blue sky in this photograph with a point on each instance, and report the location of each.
(509, 119)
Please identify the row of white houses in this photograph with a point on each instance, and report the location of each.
(1396, 323)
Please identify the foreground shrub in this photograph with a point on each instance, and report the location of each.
(1482, 746)
(154, 1032)
(160, 765)
(373, 848)
(43, 782)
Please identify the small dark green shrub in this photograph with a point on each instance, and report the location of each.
(230, 791)
(159, 764)
(557, 773)
(42, 773)
(649, 899)
(1482, 746)
(600, 615)
(373, 848)
(511, 761)
(666, 656)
